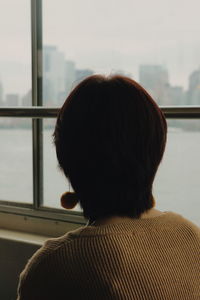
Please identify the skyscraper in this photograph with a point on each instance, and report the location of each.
(83, 73)
(155, 79)
(27, 99)
(70, 76)
(54, 75)
(177, 95)
(1, 93)
(193, 94)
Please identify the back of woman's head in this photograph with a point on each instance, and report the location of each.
(110, 137)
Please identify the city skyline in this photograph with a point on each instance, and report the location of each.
(103, 36)
(16, 82)
(60, 75)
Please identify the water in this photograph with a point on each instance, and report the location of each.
(176, 188)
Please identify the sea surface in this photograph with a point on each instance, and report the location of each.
(176, 187)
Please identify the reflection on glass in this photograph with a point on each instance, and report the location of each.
(15, 58)
(176, 186)
(156, 47)
(16, 160)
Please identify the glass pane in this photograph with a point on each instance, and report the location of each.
(55, 183)
(155, 42)
(16, 160)
(177, 185)
(15, 53)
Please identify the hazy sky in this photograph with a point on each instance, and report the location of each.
(104, 35)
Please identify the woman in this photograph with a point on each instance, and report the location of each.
(110, 138)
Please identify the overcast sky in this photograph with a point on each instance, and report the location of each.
(104, 35)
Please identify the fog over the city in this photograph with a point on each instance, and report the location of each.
(104, 36)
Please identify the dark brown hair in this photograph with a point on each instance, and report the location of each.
(110, 138)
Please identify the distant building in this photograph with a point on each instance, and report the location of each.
(54, 75)
(193, 94)
(27, 99)
(1, 94)
(59, 76)
(155, 79)
(70, 76)
(177, 95)
(12, 100)
(152, 76)
(82, 74)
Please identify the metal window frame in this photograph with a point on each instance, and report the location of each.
(37, 138)
(37, 113)
(41, 112)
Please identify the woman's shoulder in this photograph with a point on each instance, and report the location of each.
(50, 247)
(41, 263)
(166, 222)
(185, 224)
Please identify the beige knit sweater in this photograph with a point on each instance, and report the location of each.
(157, 258)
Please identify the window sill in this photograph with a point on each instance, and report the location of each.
(22, 237)
(38, 225)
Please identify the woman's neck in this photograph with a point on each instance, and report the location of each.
(151, 213)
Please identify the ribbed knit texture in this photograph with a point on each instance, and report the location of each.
(155, 258)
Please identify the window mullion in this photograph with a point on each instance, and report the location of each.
(37, 126)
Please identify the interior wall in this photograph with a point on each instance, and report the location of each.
(13, 257)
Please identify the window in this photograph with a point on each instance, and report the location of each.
(16, 160)
(15, 90)
(15, 59)
(177, 182)
(155, 42)
(157, 47)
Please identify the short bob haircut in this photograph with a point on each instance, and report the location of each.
(110, 138)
